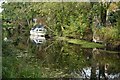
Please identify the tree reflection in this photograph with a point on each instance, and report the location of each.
(102, 71)
(99, 67)
(61, 59)
(93, 64)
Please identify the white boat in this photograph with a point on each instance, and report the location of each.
(38, 30)
(37, 33)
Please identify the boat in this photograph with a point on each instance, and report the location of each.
(38, 30)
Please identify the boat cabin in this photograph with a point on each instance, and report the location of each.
(38, 30)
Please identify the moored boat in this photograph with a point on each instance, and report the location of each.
(38, 30)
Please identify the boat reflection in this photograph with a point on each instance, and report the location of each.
(37, 39)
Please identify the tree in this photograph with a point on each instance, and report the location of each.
(104, 7)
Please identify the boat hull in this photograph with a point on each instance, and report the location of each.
(37, 33)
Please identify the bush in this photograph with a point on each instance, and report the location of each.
(109, 33)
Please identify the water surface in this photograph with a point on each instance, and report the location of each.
(41, 58)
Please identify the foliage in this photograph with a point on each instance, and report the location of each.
(118, 19)
(64, 19)
(110, 33)
(14, 67)
(56, 15)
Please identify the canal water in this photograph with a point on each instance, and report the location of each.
(26, 56)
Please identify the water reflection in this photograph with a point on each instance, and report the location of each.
(100, 69)
(38, 39)
(58, 59)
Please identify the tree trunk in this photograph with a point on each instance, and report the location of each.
(88, 33)
(118, 25)
(103, 15)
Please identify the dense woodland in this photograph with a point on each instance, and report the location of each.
(71, 19)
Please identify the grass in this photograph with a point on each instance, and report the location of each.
(84, 44)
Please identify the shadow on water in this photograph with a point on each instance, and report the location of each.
(37, 57)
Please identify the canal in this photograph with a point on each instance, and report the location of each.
(26, 56)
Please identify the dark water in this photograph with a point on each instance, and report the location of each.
(40, 58)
